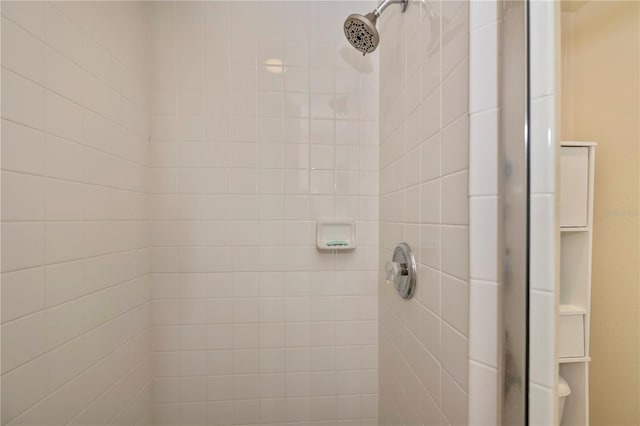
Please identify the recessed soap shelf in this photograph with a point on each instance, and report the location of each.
(336, 234)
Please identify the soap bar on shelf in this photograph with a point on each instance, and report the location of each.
(337, 243)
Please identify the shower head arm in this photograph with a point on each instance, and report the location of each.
(386, 3)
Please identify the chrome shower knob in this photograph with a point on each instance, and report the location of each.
(393, 270)
(402, 271)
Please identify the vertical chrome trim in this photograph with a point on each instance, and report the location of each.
(514, 140)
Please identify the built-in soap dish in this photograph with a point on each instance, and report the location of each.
(336, 235)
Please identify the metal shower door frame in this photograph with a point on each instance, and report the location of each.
(514, 131)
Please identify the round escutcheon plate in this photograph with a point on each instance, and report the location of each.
(402, 271)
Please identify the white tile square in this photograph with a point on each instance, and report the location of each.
(455, 251)
(455, 199)
(483, 63)
(483, 153)
(454, 355)
(543, 367)
(543, 242)
(455, 303)
(484, 322)
(544, 145)
(482, 13)
(483, 388)
(454, 401)
(543, 18)
(483, 238)
(544, 399)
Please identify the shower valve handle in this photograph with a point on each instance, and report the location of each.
(402, 270)
(395, 269)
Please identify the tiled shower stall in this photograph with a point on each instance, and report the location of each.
(164, 165)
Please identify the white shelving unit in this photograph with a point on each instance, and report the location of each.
(577, 168)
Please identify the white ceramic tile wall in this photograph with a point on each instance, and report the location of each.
(545, 51)
(264, 119)
(75, 269)
(484, 209)
(424, 134)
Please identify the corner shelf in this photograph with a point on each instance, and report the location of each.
(571, 310)
(578, 143)
(574, 360)
(577, 167)
(576, 229)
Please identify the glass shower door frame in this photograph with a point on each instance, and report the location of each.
(514, 131)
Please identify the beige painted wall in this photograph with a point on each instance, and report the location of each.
(601, 46)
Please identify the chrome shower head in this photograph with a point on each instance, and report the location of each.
(361, 32)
